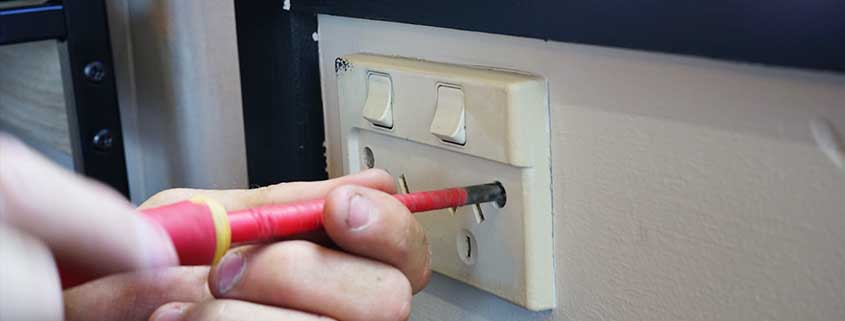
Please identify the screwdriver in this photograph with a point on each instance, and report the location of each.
(202, 230)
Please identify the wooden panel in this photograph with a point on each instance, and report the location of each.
(32, 103)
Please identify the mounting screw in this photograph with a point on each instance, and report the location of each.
(103, 140)
(95, 71)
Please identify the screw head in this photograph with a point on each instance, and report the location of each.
(103, 140)
(95, 71)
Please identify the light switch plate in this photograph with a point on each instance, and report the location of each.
(505, 251)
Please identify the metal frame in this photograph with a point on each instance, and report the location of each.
(81, 27)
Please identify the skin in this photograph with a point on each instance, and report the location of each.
(371, 259)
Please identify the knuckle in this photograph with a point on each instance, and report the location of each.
(271, 269)
(424, 276)
(265, 193)
(293, 251)
(290, 257)
(10, 146)
(400, 309)
(343, 192)
(395, 279)
(168, 196)
(404, 312)
(212, 310)
(411, 252)
(381, 173)
(126, 295)
(273, 193)
(398, 302)
(401, 228)
(257, 196)
(402, 247)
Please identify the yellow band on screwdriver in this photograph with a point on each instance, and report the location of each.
(222, 230)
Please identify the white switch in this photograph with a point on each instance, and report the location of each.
(449, 122)
(378, 108)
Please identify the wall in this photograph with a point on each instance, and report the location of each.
(684, 188)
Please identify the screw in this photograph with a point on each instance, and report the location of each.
(95, 71)
(103, 140)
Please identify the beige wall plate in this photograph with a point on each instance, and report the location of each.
(452, 126)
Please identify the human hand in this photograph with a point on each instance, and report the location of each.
(348, 273)
(46, 213)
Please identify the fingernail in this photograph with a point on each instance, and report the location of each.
(171, 312)
(360, 212)
(229, 271)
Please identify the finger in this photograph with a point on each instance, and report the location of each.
(304, 276)
(374, 224)
(82, 221)
(134, 296)
(280, 193)
(29, 281)
(228, 310)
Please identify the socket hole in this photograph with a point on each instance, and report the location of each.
(367, 157)
(479, 214)
(467, 247)
(403, 185)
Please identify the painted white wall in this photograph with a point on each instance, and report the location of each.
(684, 188)
(179, 86)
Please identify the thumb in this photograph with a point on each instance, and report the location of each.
(29, 282)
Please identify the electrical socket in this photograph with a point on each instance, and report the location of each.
(505, 251)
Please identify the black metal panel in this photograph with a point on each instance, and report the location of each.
(280, 84)
(31, 24)
(805, 34)
(91, 92)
